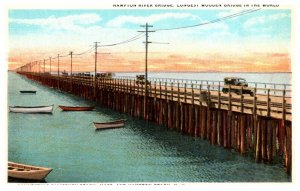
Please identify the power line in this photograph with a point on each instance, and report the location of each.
(212, 21)
(136, 37)
(160, 42)
(85, 52)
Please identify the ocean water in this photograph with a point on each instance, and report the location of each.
(276, 78)
(139, 152)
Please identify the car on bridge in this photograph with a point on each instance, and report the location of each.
(107, 75)
(140, 79)
(236, 81)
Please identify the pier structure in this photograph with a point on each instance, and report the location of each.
(258, 125)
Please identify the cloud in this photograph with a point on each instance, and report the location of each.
(70, 23)
(279, 16)
(121, 20)
(254, 21)
(263, 19)
(262, 63)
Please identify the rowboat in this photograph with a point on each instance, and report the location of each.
(29, 172)
(76, 108)
(110, 124)
(28, 91)
(31, 109)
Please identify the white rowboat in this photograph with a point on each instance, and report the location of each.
(34, 109)
(28, 172)
(110, 124)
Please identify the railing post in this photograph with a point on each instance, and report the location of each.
(219, 95)
(130, 86)
(178, 92)
(208, 96)
(172, 91)
(150, 89)
(127, 85)
(155, 90)
(192, 86)
(230, 95)
(242, 100)
(185, 99)
(160, 89)
(200, 89)
(254, 101)
(265, 85)
(166, 90)
(268, 103)
(134, 88)
(283, 104)
(138, 88)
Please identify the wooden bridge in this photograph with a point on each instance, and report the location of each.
(258, 125)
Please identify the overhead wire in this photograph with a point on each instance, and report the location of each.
(136, 37)
(212, 21)
(84, 52)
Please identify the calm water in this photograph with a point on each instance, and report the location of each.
(68, 143)
(278, 78)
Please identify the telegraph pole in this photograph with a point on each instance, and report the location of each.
(58, 71)
(146, 67)
(95, 78)
(71, 53)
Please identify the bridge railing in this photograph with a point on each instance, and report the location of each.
(209, 94)
(261, 87)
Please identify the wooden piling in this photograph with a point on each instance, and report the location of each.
(243, 148)
(258, 141)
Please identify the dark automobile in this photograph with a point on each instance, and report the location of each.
(107, 75)
(235, 81)
(140, 79)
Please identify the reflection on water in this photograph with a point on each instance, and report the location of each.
(18, 180)
(139, 152)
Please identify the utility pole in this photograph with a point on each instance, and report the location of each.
(71, 53)
(146, 67)
(58, 71)
(50, 66)
(95, 78)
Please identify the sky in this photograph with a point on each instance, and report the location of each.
(255, 42)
